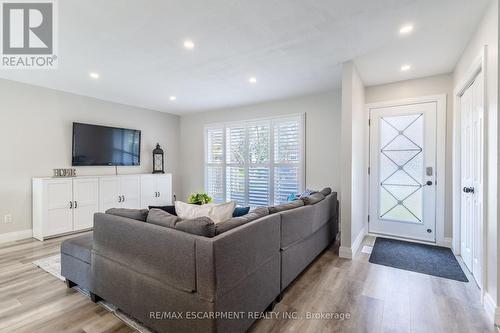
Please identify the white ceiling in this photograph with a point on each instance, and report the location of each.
(293, 47)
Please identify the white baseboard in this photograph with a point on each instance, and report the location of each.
(350, 252)
(16, 235)
(447, 242)
(492, 311)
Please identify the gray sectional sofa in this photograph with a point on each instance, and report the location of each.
(176, 281)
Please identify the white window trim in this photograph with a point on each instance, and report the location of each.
(246, 123)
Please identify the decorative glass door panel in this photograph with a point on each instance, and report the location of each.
(401, 168)
(402, 181)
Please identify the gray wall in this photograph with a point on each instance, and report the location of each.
(322, 138)
(36, 137)
(435, 85)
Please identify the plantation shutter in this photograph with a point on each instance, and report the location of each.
(259, 169)
(214, 171)
(287, 156)
(235, 164)
(255, 163)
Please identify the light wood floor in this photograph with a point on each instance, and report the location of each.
(378, 298)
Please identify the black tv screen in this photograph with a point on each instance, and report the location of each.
(101, 145)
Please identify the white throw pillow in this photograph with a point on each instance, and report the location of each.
(216, 212)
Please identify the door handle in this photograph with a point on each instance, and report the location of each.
(469, 189)
(159, 194)
(428, 183)
(76, 204)
(119, 198)
(71, 205)
(156, 194)
(123, 200)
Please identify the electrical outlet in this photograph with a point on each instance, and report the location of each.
(7, 218)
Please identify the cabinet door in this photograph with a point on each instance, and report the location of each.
(164, 189)
(58, 203)
(130, 189)
(109, 188)
(86, 203)
(149, 192)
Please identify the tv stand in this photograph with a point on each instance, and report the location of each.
(67, 205)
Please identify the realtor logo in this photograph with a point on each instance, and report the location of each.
(28, 34)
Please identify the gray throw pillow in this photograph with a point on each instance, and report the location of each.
(313, 198)
(235, 222)
(201, 226)
(326, 191)
(286, 206)
(161, 218)
(135, 214)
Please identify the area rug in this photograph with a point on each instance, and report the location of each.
(421, 258)
(52, 265)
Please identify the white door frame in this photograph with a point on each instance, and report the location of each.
(477, 66)
(440, 101)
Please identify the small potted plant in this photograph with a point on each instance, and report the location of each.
(199, 199)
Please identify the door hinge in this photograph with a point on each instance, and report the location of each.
(368, 170)
(369, 122)
(368, 218)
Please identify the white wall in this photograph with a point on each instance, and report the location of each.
(354, 183)
(487, 34)
(434, 85)
(35, 137)
(322, 138)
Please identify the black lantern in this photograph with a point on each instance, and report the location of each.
(158, 162)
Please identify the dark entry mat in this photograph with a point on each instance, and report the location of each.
(421, 258)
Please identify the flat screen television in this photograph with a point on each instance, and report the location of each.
(95, 145)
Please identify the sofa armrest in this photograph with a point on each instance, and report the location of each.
(164, 254)
(223, 262)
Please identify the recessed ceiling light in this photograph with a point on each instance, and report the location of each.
(189, 44)
(252, 80)
(406, 29)
(405, 68)
(94, 75)
(173, 98)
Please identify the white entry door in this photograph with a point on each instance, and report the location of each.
(403, 171)
(472, 148)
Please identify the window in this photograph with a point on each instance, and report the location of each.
(255, 163)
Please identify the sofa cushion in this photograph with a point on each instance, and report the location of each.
(326, 191)
(238, 221)
(162, 218)
(79, 247)
(216, 212)
(296, 225)
(134, 214)
(313, 198)
(201, 226)
(286, 206)
(168, 209)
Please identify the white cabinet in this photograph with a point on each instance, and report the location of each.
(130, 190)
(65, 205)
(156, 190)
(119, 192)
(86, 202)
